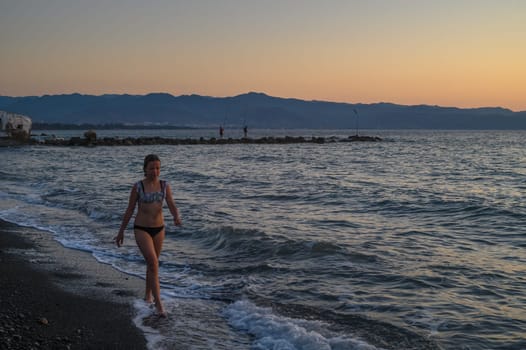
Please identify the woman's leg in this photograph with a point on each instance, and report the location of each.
(158, 245)
(150, 249)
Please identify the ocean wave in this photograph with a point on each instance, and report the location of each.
(249, 245)
(295, 326)
(272, 331)
(455, 209)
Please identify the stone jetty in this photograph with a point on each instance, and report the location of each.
(90, 139)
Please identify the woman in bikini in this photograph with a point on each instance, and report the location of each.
(149, 194)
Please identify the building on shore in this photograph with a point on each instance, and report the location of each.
(15, 126)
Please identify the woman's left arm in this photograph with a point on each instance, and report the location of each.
(171, 205)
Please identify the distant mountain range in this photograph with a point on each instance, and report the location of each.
(257, 110)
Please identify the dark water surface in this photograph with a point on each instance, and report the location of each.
(416, 242)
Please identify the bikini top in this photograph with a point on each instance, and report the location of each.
(151, 197)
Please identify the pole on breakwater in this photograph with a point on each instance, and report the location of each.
(357, 117)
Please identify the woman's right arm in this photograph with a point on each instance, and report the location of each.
(132, 202)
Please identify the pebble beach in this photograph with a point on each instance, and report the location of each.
(58, 298)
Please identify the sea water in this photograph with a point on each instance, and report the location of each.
(415, 242)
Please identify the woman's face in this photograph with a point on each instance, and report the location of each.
(153, 169)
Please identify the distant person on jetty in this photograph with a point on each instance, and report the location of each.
(149, 195)
(221, 131)
(245, 131)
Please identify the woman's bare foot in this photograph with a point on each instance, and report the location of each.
(161, 312)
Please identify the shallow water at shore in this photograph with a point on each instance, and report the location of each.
(416, 242)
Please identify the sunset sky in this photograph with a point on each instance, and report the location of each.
(464, 53)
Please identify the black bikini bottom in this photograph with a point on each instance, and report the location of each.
(152, 231)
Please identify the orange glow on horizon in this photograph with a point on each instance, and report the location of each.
(445, 53)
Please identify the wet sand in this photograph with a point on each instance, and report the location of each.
(52, 297)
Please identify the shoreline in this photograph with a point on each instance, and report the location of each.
(60, 298)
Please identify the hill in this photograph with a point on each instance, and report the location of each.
(257, 110)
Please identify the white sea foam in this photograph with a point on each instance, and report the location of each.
(273, 331)
(143, 311)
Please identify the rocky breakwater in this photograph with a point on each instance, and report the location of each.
(92, 140)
